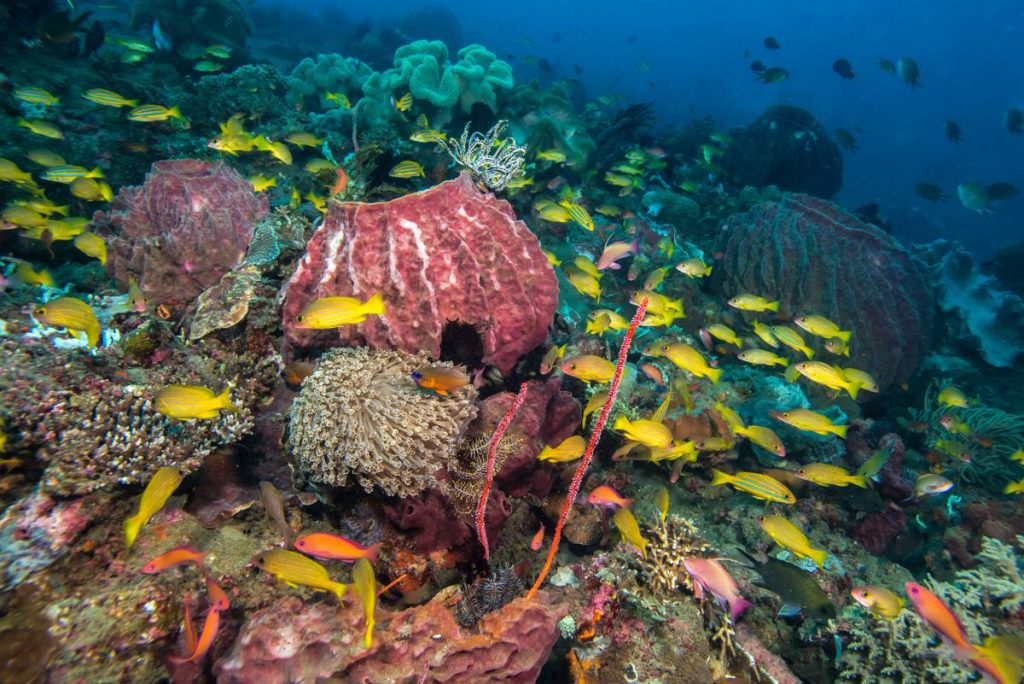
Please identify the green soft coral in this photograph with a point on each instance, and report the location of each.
(312, 80)
(480, 75)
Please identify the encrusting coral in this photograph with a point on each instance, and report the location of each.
(360, 414)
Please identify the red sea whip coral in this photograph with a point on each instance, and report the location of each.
(449, 254)
(818, 259)
(179, 232)
(499, 432)
(595, 437)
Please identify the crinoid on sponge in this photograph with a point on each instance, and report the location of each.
(488, 594)
(360, 414)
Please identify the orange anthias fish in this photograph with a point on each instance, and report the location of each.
(205, 641)
(538, 539)
(940, 618)
(334, 547)
(603, 495)
(340, 184)
(218, 597)
(615, 251)
(173, 558)
(441, 379)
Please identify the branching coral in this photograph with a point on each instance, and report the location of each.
(891, 652)
(668, 544)
(360, 414)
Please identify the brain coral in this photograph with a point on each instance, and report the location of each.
(816, 258)
(361, 414)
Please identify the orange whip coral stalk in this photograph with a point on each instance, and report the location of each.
(492, 451)
(595, 437)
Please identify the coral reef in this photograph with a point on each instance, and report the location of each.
(256, 90)
(978, 315)
(486, 595)
(312, 80)
(200, 22)
(180, 231)
(786, 146)
(669, 543)
(447, 254)
(816, 258)
(360, 414)
(1007, 267)
(546, 120)
(291, 641)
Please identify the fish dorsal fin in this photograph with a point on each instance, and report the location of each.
(662, 411)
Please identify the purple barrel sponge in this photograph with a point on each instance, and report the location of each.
(816, 258)
(180, 231)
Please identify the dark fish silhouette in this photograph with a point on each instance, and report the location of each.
(771, 43)
(843, 68)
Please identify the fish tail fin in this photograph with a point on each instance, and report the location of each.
(783, 361)
(224, 400)
(375, 305)
(719, 478)
(627, 503)
(852, 388)
(809, 352)
(175, 113)
(131, 103)
(95, 173)
(818, 556)
(860, 481)
(93, 335)
(738, 607)
(338, 589)
(131, 530)
(772, 306)
(839, 431)
(634, 246)
(715, 374)
(708, 271)
(791, 374)
(372, 551)
(844, 335)
(620, 423)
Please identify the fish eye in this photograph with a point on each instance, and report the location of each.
(300, 318)
(301, 543)
(572, 366)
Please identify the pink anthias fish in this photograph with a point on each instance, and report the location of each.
(615, 251)
(603, 495)
(709, 575)
(941, 619)
(538, 539)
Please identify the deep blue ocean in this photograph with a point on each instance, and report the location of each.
(699, 57)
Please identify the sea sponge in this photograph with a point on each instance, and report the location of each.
(361, 414)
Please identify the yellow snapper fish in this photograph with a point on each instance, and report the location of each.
(407, 169)
(731, 418)
(725, 334)
(108, 98)
(661, 500)
(615, 321)
(35, 95)
(24, 272)
(547, 364)
(589, 368)
(879, 601)
(760, 357)
(9, 171)
(45, 158)
(549, 211)
(658, 304)
(70, 313)
(318, 164)
(609, 210)
(23, 216)
(762, 437)
(753, 303)
(655, 278)
(154, 496)
(192, 402)
(262, 183)
(92, 190)
(829, 475)
(570, 449)
(627, 525)
(863, 379)
(43, 205)
(952, 397)
(647, 432)
(150, 113)
(340, 99)
(827, 376)
(792, 538)
(809, 421)
(43, 128)
(586, 285)
(819, 326)
(694, 268)
(277, 149)
(404, 103)
(320, 203)
(578, 214)
(685, 357)
(92, 245)
(1014, 487)
(598, 325)
(295, 570)
(595, 402)
(791, 338)
(763, 487)
(587, 265)
(304, 139)
(332, 312)
(837, 347)
(764, 333)
(556, 156)
(514, 184)
(366, 586)
(68, 173)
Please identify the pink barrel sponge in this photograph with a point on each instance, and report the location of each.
(181, 230)
(816, 258)
(449, 254)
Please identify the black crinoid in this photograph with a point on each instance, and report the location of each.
(487, 594)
